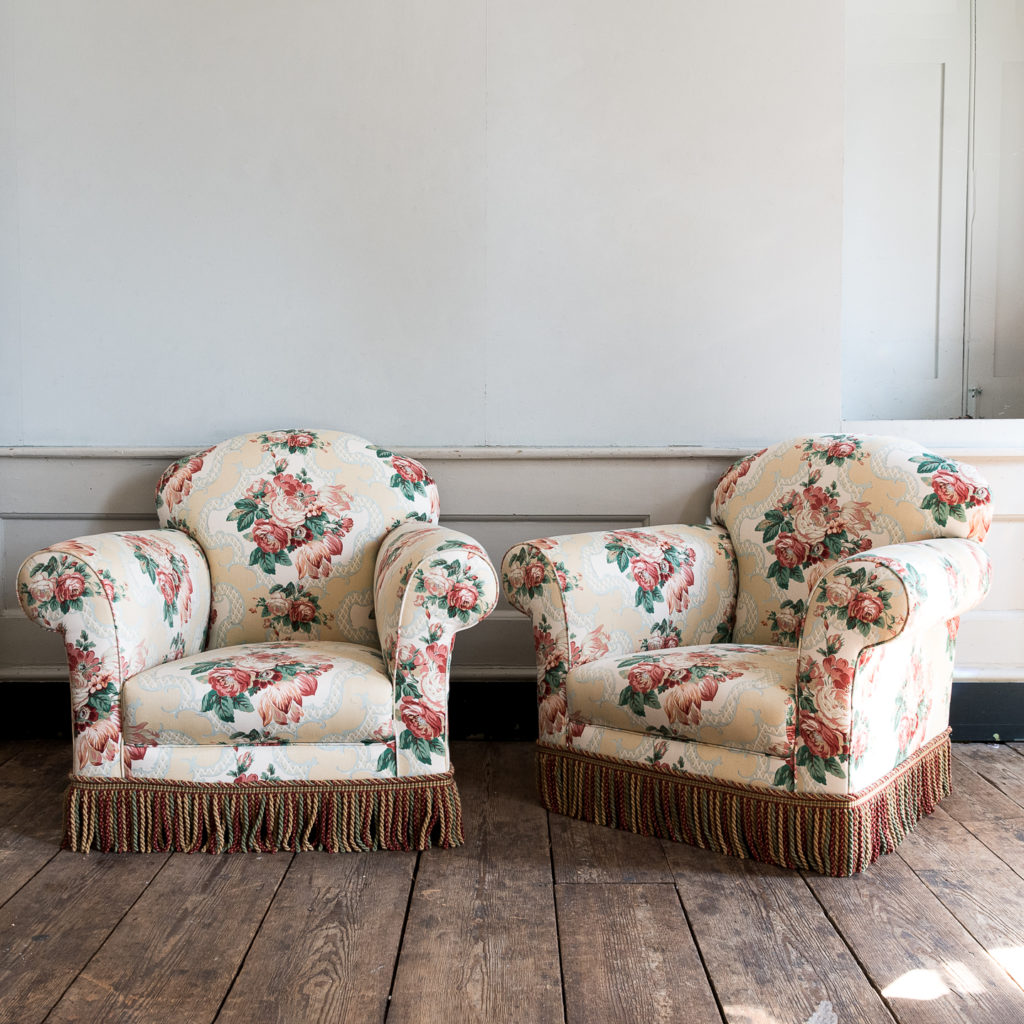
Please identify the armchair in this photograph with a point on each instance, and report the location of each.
(269, 670)
(775, 684)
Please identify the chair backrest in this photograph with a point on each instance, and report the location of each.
(794, 509)
(290, 522)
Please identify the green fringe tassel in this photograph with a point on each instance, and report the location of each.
(147, 815)
(833, 835)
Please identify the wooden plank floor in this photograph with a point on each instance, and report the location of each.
(536, 919)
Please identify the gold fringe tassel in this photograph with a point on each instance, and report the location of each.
(147, 815)
(833, 835)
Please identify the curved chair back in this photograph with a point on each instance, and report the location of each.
(794, 509)
(290, 522)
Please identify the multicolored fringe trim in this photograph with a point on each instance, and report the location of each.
(146, 815)
(833, 835)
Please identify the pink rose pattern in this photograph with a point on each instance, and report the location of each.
(289, 609)
(843, 622)
(176, 482)
(556, 654)
(526, 575)
(957, 493)
(649, 568)
(853, 599)
(290, 522)
(62, 584)
(430, 582)
(241, 774)
(786, 622)
(726, 486)
(662, 571)
(809, 525)
(56, 589)
(421, 690)
(677, 683)
(165, 568)
(271, 681)
(449, 587)
(289, 441)
(409, 476)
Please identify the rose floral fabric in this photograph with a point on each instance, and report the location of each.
(286, 692)
(707, 760)
(123, 602)
(430, 582)
(876, 658)
(795, 509)
(290, 522)
(805, 641)
(244, 640)
(597, 595)
(731, 695)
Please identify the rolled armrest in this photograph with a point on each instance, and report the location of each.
(123, 602)
(879, 633)
(591, 595)
(429, 583)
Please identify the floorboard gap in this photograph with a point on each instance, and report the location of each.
(558, 925)
(700, 955)
(256, 931)
(401, 937)
(117, 924)
(853, 952)
(4, 903)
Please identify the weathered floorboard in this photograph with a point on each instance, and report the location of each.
(988, 814)
(585, 852)
(31, 813)
(174, 955)
(984, 894)
(770, 950)
(326, 950)
(51, 928)
(481, 941)
(927, 934)
(926, 965)
(994, 763)
(628, 955)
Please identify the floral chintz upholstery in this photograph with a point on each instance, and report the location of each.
(291, 623)
(792, 658)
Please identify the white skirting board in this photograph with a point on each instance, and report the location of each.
(499, 496)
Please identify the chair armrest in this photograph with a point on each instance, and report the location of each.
(879, 633)
(429, 583)
(591, 595)
(123, 602)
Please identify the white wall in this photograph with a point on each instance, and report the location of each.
(439, 222)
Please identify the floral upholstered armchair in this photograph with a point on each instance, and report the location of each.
(776, 684)
(270, 669)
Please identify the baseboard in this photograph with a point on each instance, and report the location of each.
(987, 712)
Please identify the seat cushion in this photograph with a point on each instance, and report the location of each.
(316, 692)
(733, 695)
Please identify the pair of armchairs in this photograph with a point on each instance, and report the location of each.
(269, 670)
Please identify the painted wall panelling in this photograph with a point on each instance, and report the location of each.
(995, 322)
(933, 212)
(904, 207)
(496, 495)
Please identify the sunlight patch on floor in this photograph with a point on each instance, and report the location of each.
(923, 984)
(1011, 959)
(919, 984)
